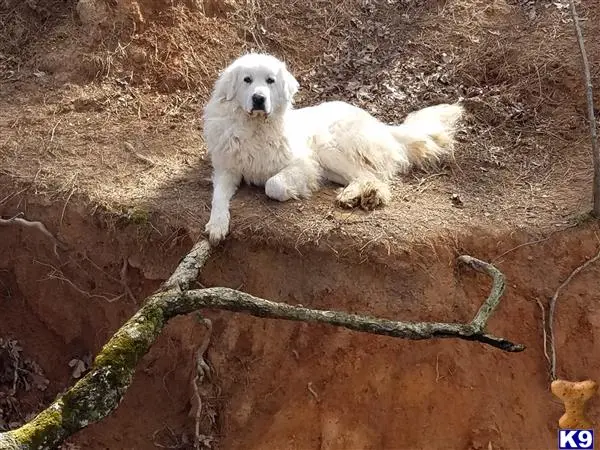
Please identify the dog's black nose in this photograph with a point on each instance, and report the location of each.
(258, 102)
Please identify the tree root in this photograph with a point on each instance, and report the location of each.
(552, 309)
(38, 226)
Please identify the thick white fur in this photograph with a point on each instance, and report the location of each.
(290, 151)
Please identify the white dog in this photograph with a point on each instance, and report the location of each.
(253, 134)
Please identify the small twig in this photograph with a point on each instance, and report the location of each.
(37, 225)
(590, 109)
(423, 180)
(552, 308)
(139, 156)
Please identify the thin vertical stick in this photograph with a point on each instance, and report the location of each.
(590, 109)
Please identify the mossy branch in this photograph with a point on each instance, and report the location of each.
(100, 391)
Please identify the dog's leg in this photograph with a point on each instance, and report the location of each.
(297, 180)
(225, 185)
(363, 166)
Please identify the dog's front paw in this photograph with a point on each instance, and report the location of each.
(217, 229)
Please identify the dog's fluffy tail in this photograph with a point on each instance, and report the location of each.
(428, 134)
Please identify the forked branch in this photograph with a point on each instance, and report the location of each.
(100, 391)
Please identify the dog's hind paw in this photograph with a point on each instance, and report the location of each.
(348, 200)
(374, 195)
(369, 195)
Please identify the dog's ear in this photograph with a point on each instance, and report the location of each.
(227, 84)
(289, 85)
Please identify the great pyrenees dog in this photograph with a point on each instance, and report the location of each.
(254, 134)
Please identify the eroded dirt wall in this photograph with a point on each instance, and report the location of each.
(289, 385)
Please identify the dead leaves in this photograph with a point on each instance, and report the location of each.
(375, 68)
(18, 375)
(78, 367)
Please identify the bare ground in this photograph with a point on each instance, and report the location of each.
(121, 143)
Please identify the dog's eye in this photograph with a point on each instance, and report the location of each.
(270, 80)
(248, 80)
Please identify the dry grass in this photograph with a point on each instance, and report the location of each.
(131, 141)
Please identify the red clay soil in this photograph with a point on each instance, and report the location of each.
(100, 139)
(300, 386)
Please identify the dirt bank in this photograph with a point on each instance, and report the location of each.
(367, 392)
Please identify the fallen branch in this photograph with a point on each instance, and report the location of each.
(100, 391)
(587, 78)
(236, 301)
(189, 267)
(552, 308)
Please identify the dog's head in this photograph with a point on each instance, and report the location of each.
(259, 84)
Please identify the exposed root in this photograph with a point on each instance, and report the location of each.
(36, 225)
(553, 308)
(544, 333)
(177, 443)
(437, 368)
(526, 244)
(57, 274)
(62, 215)
(124, 282)
(202, 371)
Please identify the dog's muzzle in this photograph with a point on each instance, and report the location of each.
(258, 102)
